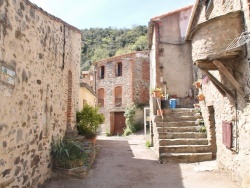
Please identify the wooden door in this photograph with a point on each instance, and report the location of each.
(119, 123)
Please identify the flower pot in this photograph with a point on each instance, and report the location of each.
(197, 84)
(157, 94)
(201, 97)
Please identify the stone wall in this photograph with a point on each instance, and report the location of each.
(217, 108)
(39, 65)
(220, 7)
(236, 159)
(134, 82)
(216, 37)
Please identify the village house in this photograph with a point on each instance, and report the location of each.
(87, 77)
(86, 96)
(39, 86)
(121, 81)
(171, 66)
(87, 93)
(174, 136)
(219, 33)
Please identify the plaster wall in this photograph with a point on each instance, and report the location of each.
(38, 51)
(153, 62)
(85, 94)
(175, 54)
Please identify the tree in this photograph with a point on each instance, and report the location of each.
(100, 53)
(88, 120)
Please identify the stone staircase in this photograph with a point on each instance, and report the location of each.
(176, 138)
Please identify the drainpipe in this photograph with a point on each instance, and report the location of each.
(95, 77)
(64, 44)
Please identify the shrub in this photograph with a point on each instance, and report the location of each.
(68, 154)
(88, 121)
(127, 131)
(148, 145)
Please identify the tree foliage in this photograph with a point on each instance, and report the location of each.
(100, 43)
(88, 120)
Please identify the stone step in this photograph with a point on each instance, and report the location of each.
(184, 149)
(185, 157)
(175, 124)
(180, 110)
(176, 129)
(189, 141)
(174, 135)
(174, 118)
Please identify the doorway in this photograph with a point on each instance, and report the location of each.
(119, 123)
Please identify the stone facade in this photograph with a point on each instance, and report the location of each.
(170, 56)
(132, 76)
(39, 82)
(211, 33)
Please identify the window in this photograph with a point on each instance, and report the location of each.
(84, 102)
(119, 69)
(209, 8)
(101, 72)
(118, 96)
(100, 95)
(7, 75)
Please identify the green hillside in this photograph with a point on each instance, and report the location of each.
(99, 43)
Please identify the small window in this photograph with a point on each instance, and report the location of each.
(209, 4)
(7, 75)
(119, 69)
(100, 95)
(118, 96)
(101, 72)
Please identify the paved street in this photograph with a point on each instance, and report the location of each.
(126, 162)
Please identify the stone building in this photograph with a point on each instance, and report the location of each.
(174, 136)
(39, 83)
(219, 33)
(170, 56)
(120, 81)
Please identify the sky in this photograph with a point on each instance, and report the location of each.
(109, 13)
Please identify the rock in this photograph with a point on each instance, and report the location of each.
(6, 172)
(35, 161)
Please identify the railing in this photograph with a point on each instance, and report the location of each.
(159, 105)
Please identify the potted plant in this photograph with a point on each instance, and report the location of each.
(197, 84)
(156, 92)
(201, 97)
(88, 121)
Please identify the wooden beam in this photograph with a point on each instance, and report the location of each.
(206, 65)
(229, 76)
(222, 88)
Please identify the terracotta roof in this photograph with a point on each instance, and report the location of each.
(170, 13)
(121, 56)
(51, 16)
